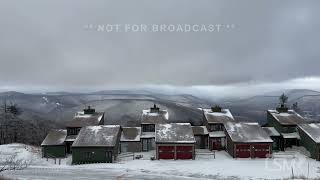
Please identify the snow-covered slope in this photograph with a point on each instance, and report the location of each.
(204, 167)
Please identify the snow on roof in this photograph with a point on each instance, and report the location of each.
(200, 130)
(174, 133)
(154, 117)
(55, 137)
(293, 135)
(81, 119)
(246, 132)
(271, 131)
(97, 136)
(130, 134)
(71, 138)
(217, 134)
(146, 135)
(287, 118)
(218, 117)
(312, 130)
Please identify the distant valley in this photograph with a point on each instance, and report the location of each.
(124, 107)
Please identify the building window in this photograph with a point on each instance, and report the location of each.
(89, 155)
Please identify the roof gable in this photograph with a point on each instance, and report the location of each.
(218, 117)
(246, 132)
(81, 119)
(130, 134)
(55, 137)
(95, 136)
(174, 133)
(287, 118)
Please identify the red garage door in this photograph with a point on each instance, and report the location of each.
(243, 150)
(166, 152)
(184, 152)
(261, 150)
(216, 144)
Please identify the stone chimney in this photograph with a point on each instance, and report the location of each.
(216, 109)
(89, 110)
(154, 109)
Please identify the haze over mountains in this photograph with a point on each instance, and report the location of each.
(124, 106)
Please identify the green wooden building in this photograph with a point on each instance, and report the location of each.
(149, 119)
(87, 117)
(285, 122)
(96, 144)
(214, 119)
(53, 146)
(310, 138)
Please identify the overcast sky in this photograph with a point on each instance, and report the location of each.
(48, 45)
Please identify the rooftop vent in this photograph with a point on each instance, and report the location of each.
(154, 109)
(216, 109)
(89, 110)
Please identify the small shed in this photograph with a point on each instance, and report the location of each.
(53, 146)
(245, 140)
(214, 119)
(175, 141)
(96, 144)
(275, 136)
(201, 135)
(310, 138)
(130, 140)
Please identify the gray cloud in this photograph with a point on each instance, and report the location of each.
(45, 44)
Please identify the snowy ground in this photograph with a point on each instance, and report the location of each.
(204, 167)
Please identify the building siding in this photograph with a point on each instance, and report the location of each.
(53, 151)
(130, 146)
(309, 144)
(99, 154)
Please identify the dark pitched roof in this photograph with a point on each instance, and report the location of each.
(81, 119)
(154, 117)
(287, 118)
(312, 130)
(130, 134)
(218, 117)
(246, 132)
(55, 137)
(174, 133)
(200, 130)
(97, 136)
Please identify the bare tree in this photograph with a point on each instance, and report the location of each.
(12, 163)
(283, 99)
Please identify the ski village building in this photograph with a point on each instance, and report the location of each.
(215, 119)
(175, 141)
(130, 140)
(150, 118)
(285, 121)
(89, 140)
(310, 138)
(88, 117)
(54, 144)
(245, 140)
(96, 144)
(201, 135)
